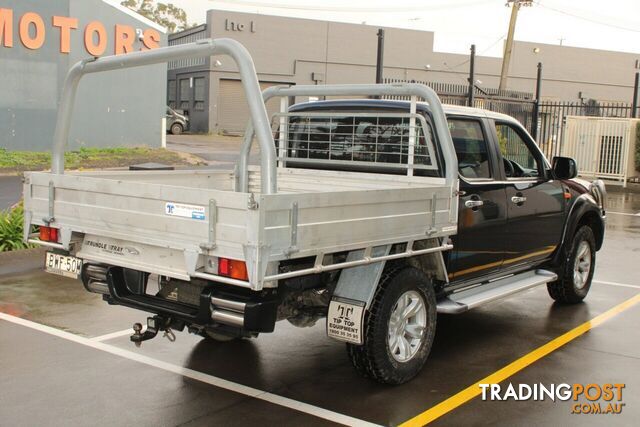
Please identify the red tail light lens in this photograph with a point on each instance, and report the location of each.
(232, 268)
(48, 234)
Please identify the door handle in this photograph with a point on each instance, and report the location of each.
(518, 199)
(473, 203)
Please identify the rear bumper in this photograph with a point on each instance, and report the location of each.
(218, 305)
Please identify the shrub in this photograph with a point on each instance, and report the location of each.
(11, 226)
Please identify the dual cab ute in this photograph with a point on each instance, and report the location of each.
(371, 213)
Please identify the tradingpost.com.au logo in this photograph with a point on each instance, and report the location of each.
(586, 398)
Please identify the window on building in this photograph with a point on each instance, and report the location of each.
(199, 93)
(471, 148)
(171, 94)
(185, 92)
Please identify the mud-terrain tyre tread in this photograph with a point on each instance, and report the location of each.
(563, 290)
(372, 359)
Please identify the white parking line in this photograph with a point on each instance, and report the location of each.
(623, 285)
(112, 335)
(623, 213)
(195, 375)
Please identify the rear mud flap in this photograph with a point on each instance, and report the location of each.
(353, 296)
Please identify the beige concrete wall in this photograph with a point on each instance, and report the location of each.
(291, 50)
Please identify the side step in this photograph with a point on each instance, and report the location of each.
(459, 302)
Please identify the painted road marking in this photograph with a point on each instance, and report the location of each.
(112, 335)
(474, 390)
(623, 285)
(623, 213)
(195, 375)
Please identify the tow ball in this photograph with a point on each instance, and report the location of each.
(155, 324)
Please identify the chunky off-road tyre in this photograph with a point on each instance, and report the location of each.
(176, 129)
(576, 272)
(399, 328)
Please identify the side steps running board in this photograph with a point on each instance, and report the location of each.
(459, 302)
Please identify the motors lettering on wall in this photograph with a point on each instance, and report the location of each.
(32, 31)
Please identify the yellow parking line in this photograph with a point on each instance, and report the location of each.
(474, 390)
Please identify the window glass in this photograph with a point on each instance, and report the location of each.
(377, 141)
(471, 148)
(198, 84)
(171, 93)
(184, 94)
(518, 159)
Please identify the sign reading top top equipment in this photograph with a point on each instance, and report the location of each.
(32, 32)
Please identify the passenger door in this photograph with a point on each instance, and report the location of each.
(535, 202)
(479, 244)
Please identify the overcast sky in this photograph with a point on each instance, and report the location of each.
(597, 24)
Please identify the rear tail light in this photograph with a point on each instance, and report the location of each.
(232, 268)
(48, 234)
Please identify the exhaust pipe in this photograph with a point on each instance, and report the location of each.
(228, 312)
(94, 278)
(98, 287)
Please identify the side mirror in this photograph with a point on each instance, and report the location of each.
(564, 168)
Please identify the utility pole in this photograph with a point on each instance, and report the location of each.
(508, 47)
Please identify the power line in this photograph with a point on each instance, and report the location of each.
(584, 18)
(466, 61)
(392, 9)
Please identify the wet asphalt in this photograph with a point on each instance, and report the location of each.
(47, 380)
(10, 191)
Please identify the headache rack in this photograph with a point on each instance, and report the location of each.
(376, 139)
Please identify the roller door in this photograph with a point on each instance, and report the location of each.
(233, 110)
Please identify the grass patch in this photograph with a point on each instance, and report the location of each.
(91, 158)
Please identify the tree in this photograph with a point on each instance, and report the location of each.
(169, 16)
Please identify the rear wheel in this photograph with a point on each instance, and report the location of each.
(577, 271)
(400, 328)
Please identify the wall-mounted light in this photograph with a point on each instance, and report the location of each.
(427, 66)
(536, 50)
(217, 64)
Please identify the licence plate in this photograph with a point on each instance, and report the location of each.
(64, 265)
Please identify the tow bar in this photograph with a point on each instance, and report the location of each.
(155, 324)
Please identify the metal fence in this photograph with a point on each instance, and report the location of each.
(601, 146)
(546, 120)
(552, 119)
(520, 105)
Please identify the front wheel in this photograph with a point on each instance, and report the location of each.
(577, 270)
(177, 129)
(400, 328)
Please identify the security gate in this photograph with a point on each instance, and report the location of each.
(600, 146)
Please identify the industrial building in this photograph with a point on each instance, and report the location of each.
(41, 39)
(301, 51)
